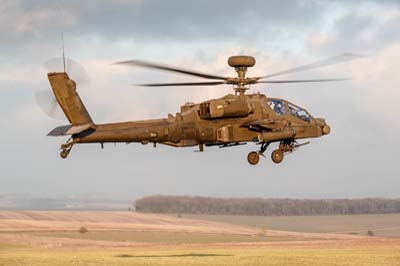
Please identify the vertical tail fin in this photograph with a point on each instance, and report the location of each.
(67, 97)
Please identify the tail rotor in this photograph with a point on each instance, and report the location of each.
(75, 70)
(45, 98)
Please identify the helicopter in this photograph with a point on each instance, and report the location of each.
(234, 119)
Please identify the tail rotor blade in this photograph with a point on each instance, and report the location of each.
(75, 70)
(46, 101)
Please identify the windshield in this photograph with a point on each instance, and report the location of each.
(299, 113)
(278, 106)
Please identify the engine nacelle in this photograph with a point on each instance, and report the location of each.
(223, 108)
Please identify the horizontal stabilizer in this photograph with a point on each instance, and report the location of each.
(69, 130)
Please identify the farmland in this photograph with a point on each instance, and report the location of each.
(127, 238)
(280, 255)
(385, 225)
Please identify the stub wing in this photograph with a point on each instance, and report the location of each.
(263, 124)
(69, 130)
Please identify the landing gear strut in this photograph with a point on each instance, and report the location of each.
(66, 148)
(254, 157)
(286, 146)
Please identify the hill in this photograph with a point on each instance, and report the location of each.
(20, 221)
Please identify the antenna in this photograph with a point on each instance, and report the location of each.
(63, 53)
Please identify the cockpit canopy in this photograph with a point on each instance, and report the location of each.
(282, 107)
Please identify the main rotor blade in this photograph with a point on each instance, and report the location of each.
(182, 84)
(301, 80)
(327, 62)
(168, 68)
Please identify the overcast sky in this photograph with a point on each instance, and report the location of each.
(360, 158)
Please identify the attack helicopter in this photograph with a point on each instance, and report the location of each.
(234, 119)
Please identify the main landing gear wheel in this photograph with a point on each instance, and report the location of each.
(253, 158)
(277, 156)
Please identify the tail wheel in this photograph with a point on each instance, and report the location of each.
(277, 156)
(253, 158)
(64, 153)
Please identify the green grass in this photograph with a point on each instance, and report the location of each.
(386, 225)
(321, 256)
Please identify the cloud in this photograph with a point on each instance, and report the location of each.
(377, 87)
(201, 36)
(17, 21)
(24, 23)
(365, 29)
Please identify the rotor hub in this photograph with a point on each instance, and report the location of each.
(241, 63)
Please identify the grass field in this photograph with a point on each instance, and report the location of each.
(279, 255)
(385, 225)
(162, 237)
(123, 238)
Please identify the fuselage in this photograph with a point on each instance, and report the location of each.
(230, 119)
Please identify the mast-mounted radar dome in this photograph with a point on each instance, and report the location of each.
(241, 61)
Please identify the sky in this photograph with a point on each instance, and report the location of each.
(358, 159)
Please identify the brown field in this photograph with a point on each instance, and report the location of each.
(128, 238)
(383, 225)
(19, 221)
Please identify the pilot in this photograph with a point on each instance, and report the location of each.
(278, 108)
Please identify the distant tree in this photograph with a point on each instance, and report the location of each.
(83, 230)
(266, 207)
(370, 233)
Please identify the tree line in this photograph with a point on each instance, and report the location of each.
(264, 206)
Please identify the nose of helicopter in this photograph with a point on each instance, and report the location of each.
(325, 128)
